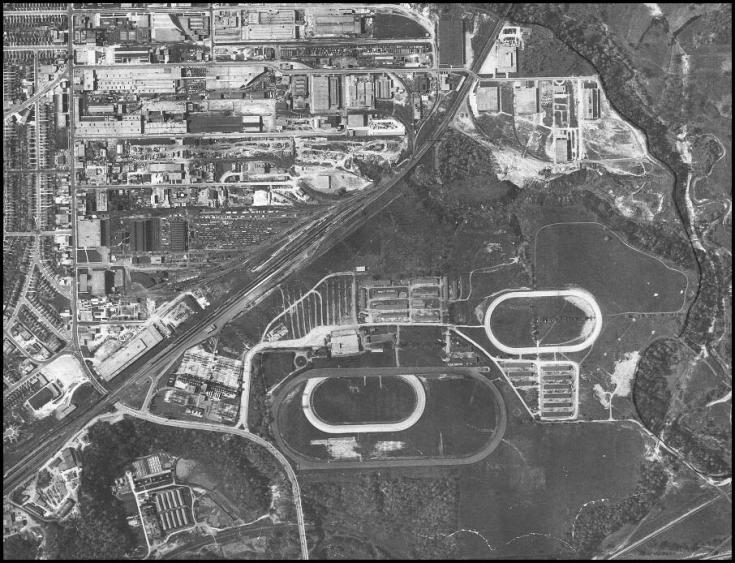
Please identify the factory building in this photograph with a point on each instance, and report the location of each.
(338, 22)
(121, 34)
(216, 376)
(142, 81)
(96, 109)
(299, 91)
(129, 352)
(252, 123)
(300, 86)
(383, 88)
(358, 92)
(562, 148)
(109, 126)
(198, 22)
(165, 173)
(591, 101)
(132, 55)
(270, 25)
(145, 235)
(164, 127)
(506, 59)
(225, 376)
(320, 94)
(335, 91)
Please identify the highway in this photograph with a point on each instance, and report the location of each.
(37, 96)
(663, 528)
(317, 237)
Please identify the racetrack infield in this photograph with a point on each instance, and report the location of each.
(522, 321)
(463, 422)
(356, 400)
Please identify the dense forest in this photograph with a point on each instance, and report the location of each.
(661, 381)
(407, 516)
(243, 470)
(19, 548)
(652, 390)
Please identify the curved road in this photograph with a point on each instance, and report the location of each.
(296, 490)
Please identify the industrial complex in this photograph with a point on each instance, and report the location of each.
(350, 281)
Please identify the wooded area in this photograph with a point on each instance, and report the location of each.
(243, 470)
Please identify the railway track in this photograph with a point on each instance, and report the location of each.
(340, 221)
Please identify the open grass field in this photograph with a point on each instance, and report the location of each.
(159, 407)
(136, 393)
(524, 498)
(479, 336)
(392, 26)
(621, 337)
(420, 346)
(246, 330)
(274, 366)
(357, 400)
(621, 278)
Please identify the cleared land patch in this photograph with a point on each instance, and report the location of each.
(393, 26)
